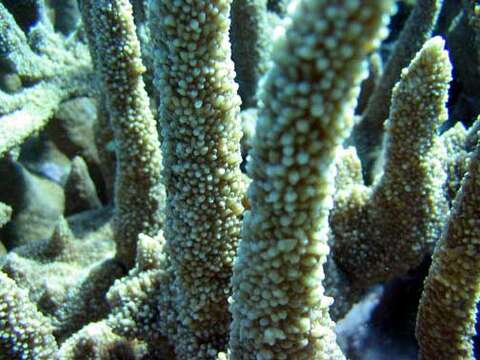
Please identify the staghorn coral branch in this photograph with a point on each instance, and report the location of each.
(250, 46)
(139, 195)
(16, 52)
(278, 303)
(455, 141)
(383, 231)
(173, 302)
(369, 132)
(448, 308)
(97, 341)
(29, 111)
(142, 302)
(201, 135)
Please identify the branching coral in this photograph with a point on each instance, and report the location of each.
(279, 308)
(201, 135)
(199, 287)
(369, 132)
(48, 70)
(447, 312)
(448, 308)
(24, 332)
(384, 231)
(139, 195)
(250, 46)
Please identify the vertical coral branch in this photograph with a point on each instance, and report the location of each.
(447, 312)
(369, 132)
(278, 305)
(250, 46)
(139, 194)
(201, 135)
(383, 231)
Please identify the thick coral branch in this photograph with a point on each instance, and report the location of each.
(201, 135)
(278, 304)
(383, 231)
(448, 308)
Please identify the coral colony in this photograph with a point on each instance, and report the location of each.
(233, 179)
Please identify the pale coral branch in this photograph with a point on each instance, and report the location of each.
(29, 111)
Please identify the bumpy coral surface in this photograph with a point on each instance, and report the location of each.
(179, 179)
